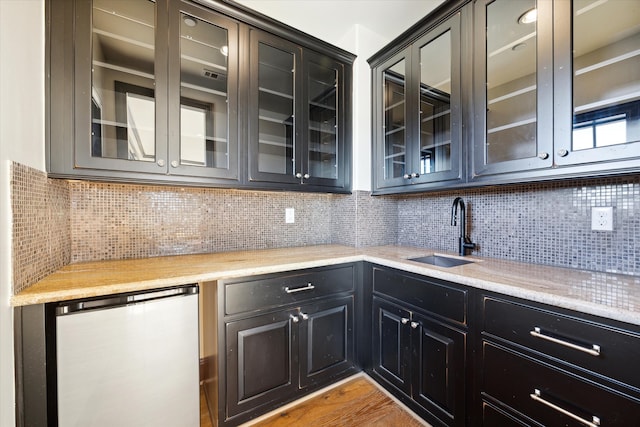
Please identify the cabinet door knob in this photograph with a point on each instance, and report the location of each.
(406, 176)
(414, 325)
(160, 162)
(415, 175)
(298, 175)
(306, 176)
(174, 164)
(404, 320)
(543, 155)
(563, 152)
(294, 319)
(304, 316)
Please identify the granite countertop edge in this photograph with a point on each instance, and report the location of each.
(609, 295)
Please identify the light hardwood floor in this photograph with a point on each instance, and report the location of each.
(356, 402)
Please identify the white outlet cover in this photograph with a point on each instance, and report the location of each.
(602, 218)
(289, 215)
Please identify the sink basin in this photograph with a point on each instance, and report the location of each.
(441, 261)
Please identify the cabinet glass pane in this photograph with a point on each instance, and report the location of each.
(122, 80)
(511, 81)
(203, 94)
(435, 105)
(323, 125)
(606, 73)
(394, 126)
(275, 103)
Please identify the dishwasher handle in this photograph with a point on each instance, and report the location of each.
(122, 300)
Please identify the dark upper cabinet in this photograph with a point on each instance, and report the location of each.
(155, 89)
(165, 91)
(550, 97)
(417, 113)
(513, 88)
(297, 116)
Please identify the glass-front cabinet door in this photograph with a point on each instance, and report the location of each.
(203, 124)
(391, 119)
(418, 117)
(438, 155)
(274, 110)
(159, 83)
(324, 152)
(513, 86)
(598, 57)
(120, 116)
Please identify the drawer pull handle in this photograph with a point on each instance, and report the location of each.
(300, 289)
(537, 396)
(594, 350)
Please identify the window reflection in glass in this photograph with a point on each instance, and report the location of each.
(323, 110)
(395, 148)
(275, 104)
(123, 101)
(606, 73)
(511, 81)
(435, 105)
(203, 94)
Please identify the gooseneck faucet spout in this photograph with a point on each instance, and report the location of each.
(464, 242)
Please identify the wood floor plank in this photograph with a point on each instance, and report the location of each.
(357, 402)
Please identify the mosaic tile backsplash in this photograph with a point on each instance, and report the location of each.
(41, 225)
(546, 223)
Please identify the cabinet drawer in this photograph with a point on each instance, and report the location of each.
(547, 395)
(264, 292)
(566, 338)
(432, 295)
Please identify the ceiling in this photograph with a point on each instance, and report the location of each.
(333, 20)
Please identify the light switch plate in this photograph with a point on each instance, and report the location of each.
(602, 218)
(289, 215)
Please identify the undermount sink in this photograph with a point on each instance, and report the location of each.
(441, 261)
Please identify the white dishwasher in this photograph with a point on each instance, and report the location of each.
(130, 360)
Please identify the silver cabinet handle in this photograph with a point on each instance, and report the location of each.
(537, 396)
(160, 162)
(543, 155)
(414, 325)
(306, 176)
(308, 287)
(294, 319)
(563, 152)
(174, 163)
(404, 320)
(415, 175)
(304, 316)
(594, 350)
(298, 175)
(406, 176)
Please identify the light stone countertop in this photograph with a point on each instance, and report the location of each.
(614, 296)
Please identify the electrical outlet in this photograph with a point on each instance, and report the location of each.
(602, 219)
(289, 215)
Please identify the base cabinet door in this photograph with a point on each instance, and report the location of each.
(391, 344)
(261, 361)
(326, 340)
(438, 369)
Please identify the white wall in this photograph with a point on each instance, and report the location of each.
(21, 140)
(361, 27)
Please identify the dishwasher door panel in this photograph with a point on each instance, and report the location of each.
(134, 365)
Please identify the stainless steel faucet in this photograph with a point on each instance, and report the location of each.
(464, 242)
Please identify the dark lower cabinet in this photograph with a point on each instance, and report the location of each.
(283, 335)
(418, 356)
(542, 366)
(272, 357)
(261, 361)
